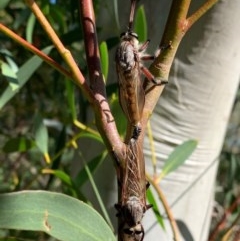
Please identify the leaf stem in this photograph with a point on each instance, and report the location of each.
(65, 53)
(34, 50)
(168, 211)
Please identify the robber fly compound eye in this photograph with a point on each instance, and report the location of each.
(128, 35)
(133, 35)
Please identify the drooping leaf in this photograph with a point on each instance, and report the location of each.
(23, 74)
(40, 135)
(96, 192)
(30, 27)
(151, 200)
(178, 157)
(140, 24)
(67, 180)
(82, 176)
(60, 216)
(71, 98)
(104, 59)
(118, 114)
(91, 136)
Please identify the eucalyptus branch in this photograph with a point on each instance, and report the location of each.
(177, 25)
(104, 119)
(167, 209)
(200, 12)
(34, 50)
(65, 53)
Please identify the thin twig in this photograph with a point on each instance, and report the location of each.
(65, 53)
(231, 232)
(221, 224)
(200, 12)
(168, 211)
(34, 50)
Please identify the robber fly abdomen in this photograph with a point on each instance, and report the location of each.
(132, 205)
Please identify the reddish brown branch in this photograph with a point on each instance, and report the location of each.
(34, 50)
(222, 223)
(104, 119)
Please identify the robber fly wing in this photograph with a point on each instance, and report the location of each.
(131, 94)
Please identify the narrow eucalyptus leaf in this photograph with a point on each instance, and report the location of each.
(178, 157)
(41, 134)
(104, 59)
(140, 25)
(151, 199)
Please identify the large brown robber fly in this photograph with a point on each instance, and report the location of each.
(132, 205)
(129, 69)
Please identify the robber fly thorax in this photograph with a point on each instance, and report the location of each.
(129, 57)
(131, 93)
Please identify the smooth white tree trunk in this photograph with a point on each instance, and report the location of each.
(196, 105)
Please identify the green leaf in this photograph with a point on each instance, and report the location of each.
(23, 74)
(91, 136)
(151, 199)
(64, 177)
(10, 74)
(4, 3)
(61, 216)
(70, 87)
(18, 144)
(140, 24)
(67, 180)
(104, 59)
(41, 134)
(82, 176)
(96, 192)
(120, 118)
(30, 27)
(178, 157)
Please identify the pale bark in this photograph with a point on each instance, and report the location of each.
(196, 105)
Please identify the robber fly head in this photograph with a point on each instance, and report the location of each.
(136, 232)
(131, 37)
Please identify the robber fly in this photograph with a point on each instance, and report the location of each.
(129, 69)
(132, 205)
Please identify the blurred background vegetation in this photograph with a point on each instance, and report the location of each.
(50, 104)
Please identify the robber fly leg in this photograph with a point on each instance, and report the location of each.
(147, 185)
(151, 78)
(144, 46)
(136, 132)
(163, 47)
